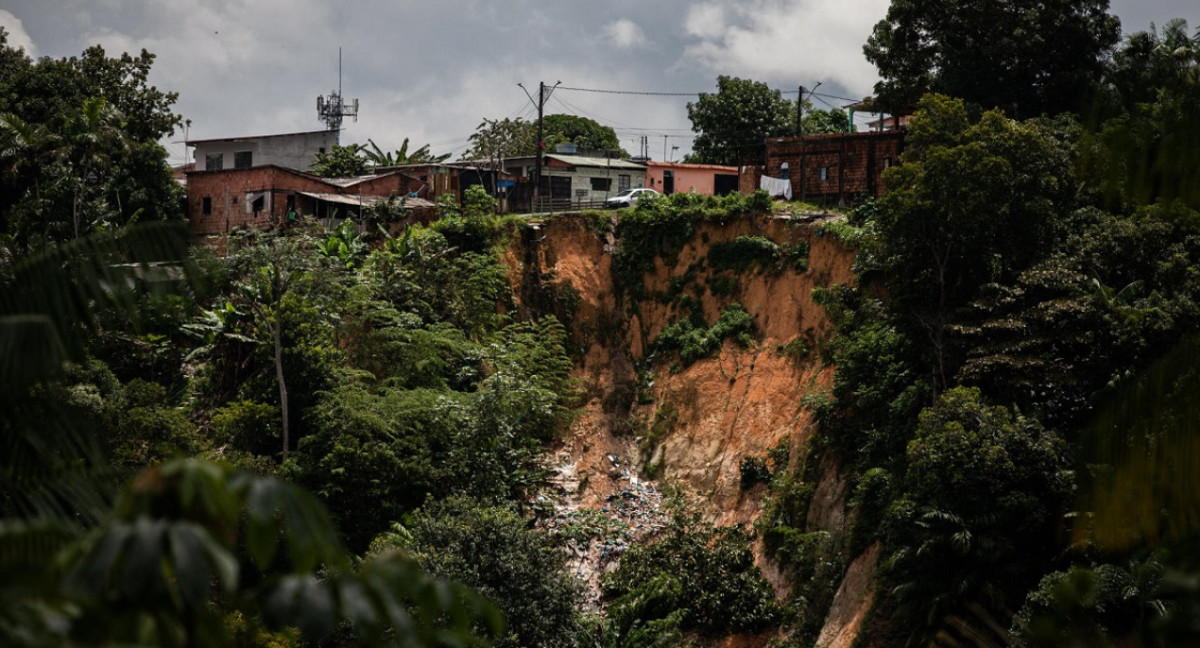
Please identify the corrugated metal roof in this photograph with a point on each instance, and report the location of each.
(365, 201)
(346, 182)
(604, 163)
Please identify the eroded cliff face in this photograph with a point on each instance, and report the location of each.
(686, 426)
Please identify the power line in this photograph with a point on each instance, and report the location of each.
(633, 92)
(651, 93)
(831, 106)
(829, 96)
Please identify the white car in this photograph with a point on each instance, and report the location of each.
(628, 197)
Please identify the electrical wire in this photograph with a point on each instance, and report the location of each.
(632, 92)
(651, 93)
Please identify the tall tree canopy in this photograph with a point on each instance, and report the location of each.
(1143, 141)
(823, 122)
(501, 138)
(1027, 57)
(733, 123)
(972, 203)
(581, 131)
(79, 146)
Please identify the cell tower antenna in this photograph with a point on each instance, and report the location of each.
(331, 108)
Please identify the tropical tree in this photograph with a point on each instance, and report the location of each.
(496, 139)
(492, 549)
(93, 138)
(341, 162)
(690, 579)
(401, 156)
(191, 554)
(984, 488)
(971, 203)
(1142, 144)
(79, 146)
(1023, 56)
(581, 131)
(822, 122)
(270, 271)
(733, 122)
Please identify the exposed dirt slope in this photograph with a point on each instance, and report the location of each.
(688, 426)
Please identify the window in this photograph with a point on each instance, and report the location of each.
(214, 162)
(256, 202)
(824, 174)
(206, 205)
(887, 162)
(555, 186)
(622, 182)
(601, 184)
(243, 159)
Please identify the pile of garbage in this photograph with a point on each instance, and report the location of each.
(595, 538)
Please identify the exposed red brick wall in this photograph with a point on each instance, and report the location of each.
(748, 179)
(385, 185)
(227, 191)
(854, 163)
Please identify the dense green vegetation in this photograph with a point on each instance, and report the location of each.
(492, 549)
(661, 227)
(693, 579)
(306, 439)
(495, 139)
(79, 147)
(998, 404)
(996, 54)
(379, 372)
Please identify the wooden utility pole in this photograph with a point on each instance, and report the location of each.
(543, 94)
(537, 162)
(800, 113)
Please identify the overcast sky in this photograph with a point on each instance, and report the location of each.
(431, 71)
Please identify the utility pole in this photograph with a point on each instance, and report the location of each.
(800, 109)
(543, 94)
(800, 113)
(537, 163)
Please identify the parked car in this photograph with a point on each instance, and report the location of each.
(628, 197)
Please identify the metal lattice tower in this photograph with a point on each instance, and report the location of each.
(331, 108)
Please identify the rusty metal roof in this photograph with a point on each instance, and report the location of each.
(365, 201)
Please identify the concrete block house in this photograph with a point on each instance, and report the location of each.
(703, 179)
(571, 180)
(288, 150)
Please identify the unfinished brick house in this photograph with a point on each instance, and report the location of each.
(837, 169)
(270, 196)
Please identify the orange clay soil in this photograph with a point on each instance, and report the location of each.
(705, 417)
